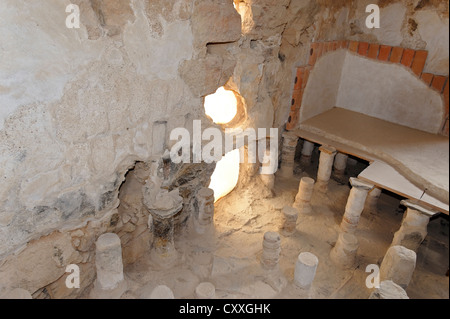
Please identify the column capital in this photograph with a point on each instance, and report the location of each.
(358, 183)
(328, 149)
(414, 204)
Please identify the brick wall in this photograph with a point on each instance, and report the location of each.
(413, 59)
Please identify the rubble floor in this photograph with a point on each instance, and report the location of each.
(230, 256)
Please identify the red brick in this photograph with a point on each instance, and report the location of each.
(334, 45)
(396, 55)
(363, 48)
(330, 46)
(306, 73)
(419, 62)
(373, 51)
(408, 57)
(292, 120)
(296, 102)
(319, 50)
(427, 78)
(385, 52)
(353, 46)
(438, 82)
(313, 53)
(344, 44)
(299, 78)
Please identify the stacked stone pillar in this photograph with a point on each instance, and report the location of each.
(343, 253)
(307, 150)
(163, 250)
(413, 230)
(304, 195)
(271, 250)
(355, 204)
(268, 172)
(372, 199)
(204, 220)
(326, 160)
(339, 166)
(290, 215)
(288, 154)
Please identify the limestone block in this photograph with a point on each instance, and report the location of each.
(215, 21)
(203, 76)
(398, 265)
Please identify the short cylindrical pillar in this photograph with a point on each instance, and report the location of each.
(398, 265)
(110, 281)
(389, 290)
(413, 230)
(205, 290)
(305, 270)
(205, 214)
(162, 292)
(355, 204)
(344, 252)
(304, 195)
(340, 164)
(372, 199)
(307, 150)
(288, 154)
(290, 215)
(326, 160)
(108, 260)
(163, 249)
(271, 250)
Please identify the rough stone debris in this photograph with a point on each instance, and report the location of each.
(389, 290)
